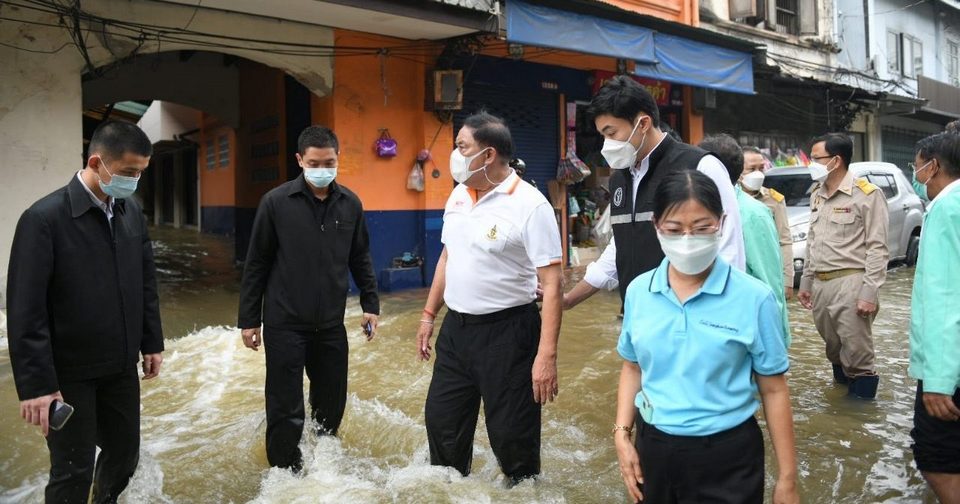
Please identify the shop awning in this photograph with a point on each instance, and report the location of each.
(686, 61)
(658, 55)
(541, 26)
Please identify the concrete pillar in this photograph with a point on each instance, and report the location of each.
(40, 131)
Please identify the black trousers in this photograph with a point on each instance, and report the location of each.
(324, 355)
(726, 467)
(936, 443)
(106, 414)
(488, 357)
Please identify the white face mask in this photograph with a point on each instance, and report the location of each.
(622, 154)
(819, 172)
(690, 254)
(460, 165)
(753, 181)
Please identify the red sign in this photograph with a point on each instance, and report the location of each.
(659, 89)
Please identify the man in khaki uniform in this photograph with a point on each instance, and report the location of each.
(753, 186)
(846, 262)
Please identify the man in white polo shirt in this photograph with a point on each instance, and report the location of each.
(500, 237)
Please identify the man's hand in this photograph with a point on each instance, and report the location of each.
(424, 333)
(369, 325)
(941, 406)
(806, 299)
(788, 293)
(151, 365)
(545, 387)
(36, 411)
(252, 338)
(865, 309)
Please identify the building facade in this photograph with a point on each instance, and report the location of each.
(224, 88)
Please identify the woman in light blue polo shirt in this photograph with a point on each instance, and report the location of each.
(699, 340)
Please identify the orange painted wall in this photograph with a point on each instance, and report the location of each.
(262, 125)
(681, 11)
(217, 185)
(363, 101)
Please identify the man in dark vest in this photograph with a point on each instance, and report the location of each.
(641, 155)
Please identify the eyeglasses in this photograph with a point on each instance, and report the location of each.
(913, 166)
(697, 231)
(818, 158)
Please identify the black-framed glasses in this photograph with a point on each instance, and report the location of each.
(818, 158)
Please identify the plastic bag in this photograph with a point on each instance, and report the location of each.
(571, 169)
(603, 229)
(385, 146)
(415, 178)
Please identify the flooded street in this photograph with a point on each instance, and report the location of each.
(203, 418)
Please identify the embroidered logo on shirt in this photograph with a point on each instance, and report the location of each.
(618, 197)
(842, 210)
(459, 203)
(716, 325)
(492, 234)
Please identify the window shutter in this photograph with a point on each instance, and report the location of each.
(769, 13)
(743, 8)
(808, 17)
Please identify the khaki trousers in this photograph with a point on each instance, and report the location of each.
(848, 336)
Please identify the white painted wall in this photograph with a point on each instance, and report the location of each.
(799, 56)
(40, 132)
(163, 120)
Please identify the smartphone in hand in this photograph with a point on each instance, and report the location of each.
(368, 328)
(60, 412)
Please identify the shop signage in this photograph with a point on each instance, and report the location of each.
(659, 89)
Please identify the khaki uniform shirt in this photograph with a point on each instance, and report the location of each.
(775, 202)
(848, 230)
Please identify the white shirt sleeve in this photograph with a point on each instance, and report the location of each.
(602, 273)
(541, 237)
(731, 238)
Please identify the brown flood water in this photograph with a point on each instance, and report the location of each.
(203, 419)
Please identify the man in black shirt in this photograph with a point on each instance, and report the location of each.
(307, 235)
(83, 303)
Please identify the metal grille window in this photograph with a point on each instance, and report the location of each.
(210, 153)
(953, 62)
(224, 152)
(788, 18)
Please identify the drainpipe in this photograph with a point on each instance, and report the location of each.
(866, 29)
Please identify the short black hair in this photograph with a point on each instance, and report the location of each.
(952, 127)
(624, 98)
(837, 144)
(320, 137)
(683, 185)
(113, 139)
(728, 151)
(491, 131)
(945, 148)
(751, 148)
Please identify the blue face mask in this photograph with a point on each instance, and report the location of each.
(920, 187)
(120, 187)
(319, 177)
